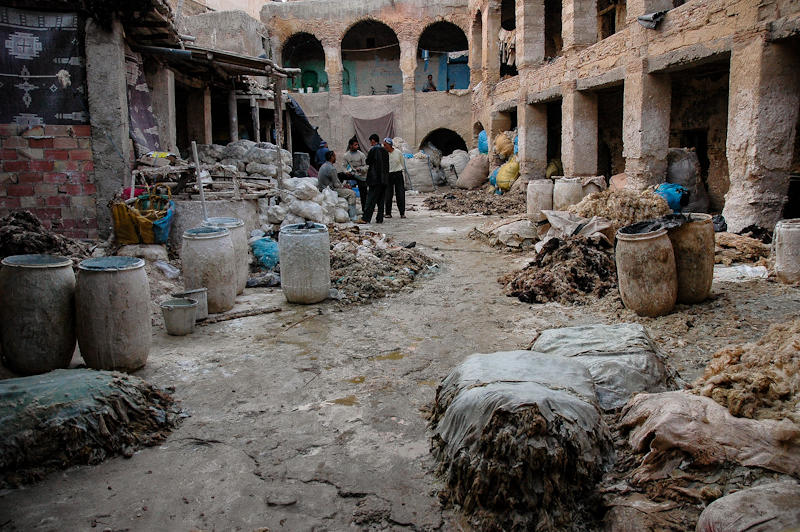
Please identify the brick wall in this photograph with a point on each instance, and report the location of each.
(49, 171)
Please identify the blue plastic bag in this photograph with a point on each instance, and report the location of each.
(493, 177)
(408, 155)
(266, 252)
(483, 142)
(673, 194)
(516, 144)
(162, 226)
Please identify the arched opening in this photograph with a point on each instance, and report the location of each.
(476, 51)
(508, 38)
(477, 127)
(445, 140)
(442, 58)
(371, 60)
(304, 51)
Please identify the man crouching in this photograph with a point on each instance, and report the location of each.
(328, 177)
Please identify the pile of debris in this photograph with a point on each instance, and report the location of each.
(731, 248)
(571, 270)
(477, 201)
(21, 233)
(367, 265)
(300, 201)
(622, 207)
(758, 380)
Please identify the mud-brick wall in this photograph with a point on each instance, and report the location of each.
(48, 171)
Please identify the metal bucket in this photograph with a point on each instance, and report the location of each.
(201, 295)
(179, 315)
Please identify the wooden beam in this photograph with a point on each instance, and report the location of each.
(233, 115)
(256, 119)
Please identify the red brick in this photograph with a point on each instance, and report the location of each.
(57, 155)
(8, 155)
(65, 143)
(59, 131)
(54, 177)
(15, 142)
(9, 130)
(29, 177)
(67, 223)
(16, 166)
(9, 203)
(89, 189)
(48, 214)
(88, 166)
(42, 166)
(57, 201)
(71, 189)
(46, 189)
(80, 155)
(76, 233)
(82, 131)
(66, 166)
(20, 190)
(44, 142)
(36, 131)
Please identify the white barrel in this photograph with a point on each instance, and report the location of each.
(209, 261)
(112, 309)
(305, 255)
(567, 191)
(37, 312)
(786, 239)
(540, 198)
(240, 247)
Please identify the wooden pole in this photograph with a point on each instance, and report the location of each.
(289, 131)
(278, 100)
(233, 115)
(199, 180)
(256, 119)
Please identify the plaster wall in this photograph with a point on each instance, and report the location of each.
(232, 31)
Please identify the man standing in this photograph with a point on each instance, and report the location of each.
(356, 165)
(329, 178)
(319, 157)
(396, 184)
(377, 179)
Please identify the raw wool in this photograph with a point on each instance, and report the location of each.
(622, 207)
(674, 427)
(574, 270)
(730, 248)
(520, 440)
(477, 201)
(21, 233)
(453, 166)
(758, 380)
(504, 145)
(367, 265)
(303, 188)
(77, 416)
(434, 153)
(307, 210)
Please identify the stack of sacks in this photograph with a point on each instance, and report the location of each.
(453, 166)
(302, 202)
(249, 159)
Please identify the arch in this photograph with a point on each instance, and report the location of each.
(438, 56)
(508, 15)
(446, 140)
(371, 55)
(304, 51)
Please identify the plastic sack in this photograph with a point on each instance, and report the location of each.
(554, 167)
(508, 174)
(493, 177)
(516, 144)
(503, 145)
(266, 252)
(675, 195)
(146, 221)
(475, 174)
(483, 142)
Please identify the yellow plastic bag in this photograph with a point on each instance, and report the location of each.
(508, 174)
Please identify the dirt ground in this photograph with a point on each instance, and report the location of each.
(312, 418)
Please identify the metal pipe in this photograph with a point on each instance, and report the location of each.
(185, 54)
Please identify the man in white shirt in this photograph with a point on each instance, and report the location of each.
(396, 184)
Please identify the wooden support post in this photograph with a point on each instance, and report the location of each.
(289, 131)
(233, 115)
(256, 119)
(278, 101)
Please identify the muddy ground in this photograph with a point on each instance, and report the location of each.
(312, 418)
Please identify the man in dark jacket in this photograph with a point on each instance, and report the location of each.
(377, 179)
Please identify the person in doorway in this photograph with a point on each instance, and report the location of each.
(356, 165)
(396, 184)
(319, 158)
(328, 177)
(377, 179)
(429, 86)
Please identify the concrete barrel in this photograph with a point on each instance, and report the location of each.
(112, 303)
(240, 247)
(567, 191)
(209, 261)
(540, 198)
(787, 250)
(648, 282)
(37, 312)
(693, 246)
(305, 254)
